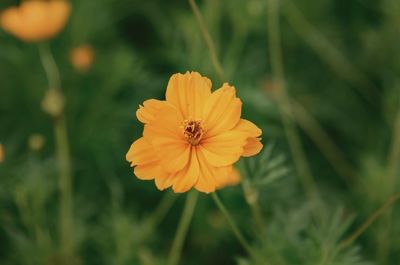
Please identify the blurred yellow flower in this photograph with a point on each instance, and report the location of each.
(193, 138)
(82, 57)
(1, 153)
(36, 20)
(231, 179)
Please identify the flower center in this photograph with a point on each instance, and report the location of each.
(193, 131)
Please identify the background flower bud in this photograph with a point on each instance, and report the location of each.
(36, 142)
(53, 103)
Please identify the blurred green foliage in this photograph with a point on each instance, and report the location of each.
(342, 65)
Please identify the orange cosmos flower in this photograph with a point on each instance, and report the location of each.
(193, 138)
(82, 57)
(36, 20)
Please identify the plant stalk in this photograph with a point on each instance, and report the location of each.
(207, 38)
(159, 213)
(63, 155)
(177, 245)
(370, 220)
(232, 223)
(298, 153)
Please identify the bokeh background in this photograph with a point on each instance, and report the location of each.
(341, 61)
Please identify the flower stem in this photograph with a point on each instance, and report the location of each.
(218, 69)
(334, 155)
(177, 245)
(329, 54)
(65, 186)
(370, 220)
(63, 155)
(232, 223)
(160, 212)
(50, 66)
(207, 38)
(295, 144)
(384, 240)
(251, 197)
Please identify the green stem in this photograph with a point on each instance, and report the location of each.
(232, 223)
(298, 153)
(50, 66)
(334, 155)
(384, 239)
(207, 38)
(158, 215)
(329, 54)
(177, 245)
(259, 219)
(65, 186)
(251, 197)
(394, 154)
(63, 155)
(218, 69)
(370, 220)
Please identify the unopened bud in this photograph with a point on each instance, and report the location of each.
(53, 103)
(250, 193)
(36, 142)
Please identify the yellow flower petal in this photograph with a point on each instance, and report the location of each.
(187, 177)
(188, 93)
(36, 20)
(149, 171)
(206, 182)
(224, 149)
(58, 13)
(222, 110)
(140, 152)
(230, 179)
(10, 20)
(33, 16)
(166, 136)
(210, 176)
(165, 181)
(143, 156)
(253, 146)
(150, 108)
(219, 160)
(173, 156)
(249, 127)
(167, 122)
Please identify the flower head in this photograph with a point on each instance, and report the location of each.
(82, 57)
(193, 138)
(36, 20)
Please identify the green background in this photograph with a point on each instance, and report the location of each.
(341, 64)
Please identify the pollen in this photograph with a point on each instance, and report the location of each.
(193, 131)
